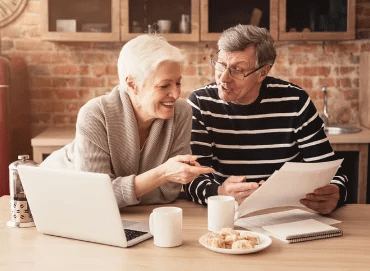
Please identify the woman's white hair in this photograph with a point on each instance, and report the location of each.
(140, 56)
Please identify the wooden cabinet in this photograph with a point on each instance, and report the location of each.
(317, 19)
(122, 20)
(80, 20)
(216, 16)
(137, 15)
(115, 20)
(285, 19)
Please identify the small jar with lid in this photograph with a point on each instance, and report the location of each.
(21, 216)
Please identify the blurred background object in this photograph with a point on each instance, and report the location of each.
(15, 115)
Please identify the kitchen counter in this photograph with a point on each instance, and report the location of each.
(356, 138)
(356, 142)
(50, 140)
(54, 138)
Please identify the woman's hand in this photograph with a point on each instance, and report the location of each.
(180, 169)
(183, 169)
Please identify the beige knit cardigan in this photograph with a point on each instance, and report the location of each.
(107, 141)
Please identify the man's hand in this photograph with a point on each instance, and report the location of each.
(236, 187)
(323, 199)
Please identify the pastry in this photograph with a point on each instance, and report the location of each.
(231, 239)
(255, 240)
(242, 244)
(228, 231)
(215, 240)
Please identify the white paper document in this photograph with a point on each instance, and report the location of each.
(255, 223)
(288, 185)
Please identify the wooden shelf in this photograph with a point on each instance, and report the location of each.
(208, 18)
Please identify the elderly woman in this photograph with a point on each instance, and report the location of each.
(139, 133)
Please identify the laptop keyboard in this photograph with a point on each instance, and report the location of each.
(131, 234)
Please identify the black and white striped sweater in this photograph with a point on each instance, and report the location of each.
(255, 140)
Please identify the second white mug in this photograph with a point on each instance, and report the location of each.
(164, 26)
(221, 211)
(165, 224)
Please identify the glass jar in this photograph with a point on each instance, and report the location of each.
(21, 215)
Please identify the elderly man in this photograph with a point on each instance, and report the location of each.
(247, 124)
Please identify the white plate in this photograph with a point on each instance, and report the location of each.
(265, 241)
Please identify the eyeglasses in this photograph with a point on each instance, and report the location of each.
(233, 72)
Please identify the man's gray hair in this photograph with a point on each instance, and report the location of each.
(239, 37)
(140, 56)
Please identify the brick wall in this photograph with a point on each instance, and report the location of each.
(63, 76)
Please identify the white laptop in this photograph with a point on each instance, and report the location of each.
(78, 205)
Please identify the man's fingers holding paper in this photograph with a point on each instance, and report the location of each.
(237, 187)
(327, 190)
(322, 207)
(323, 200)
(241, 196)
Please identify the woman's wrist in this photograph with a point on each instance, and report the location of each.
(160, 175)
(147, 181)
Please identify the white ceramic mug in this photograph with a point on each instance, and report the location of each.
(164, 26)
(221, 211)
(165, 224)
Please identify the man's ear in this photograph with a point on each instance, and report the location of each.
(131, 84)
(264, 72)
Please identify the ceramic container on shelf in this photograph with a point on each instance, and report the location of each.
(184, 26)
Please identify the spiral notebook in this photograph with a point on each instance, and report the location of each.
(303, 230)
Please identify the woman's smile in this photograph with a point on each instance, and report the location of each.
(168, 104)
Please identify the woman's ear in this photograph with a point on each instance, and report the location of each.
(131, 84)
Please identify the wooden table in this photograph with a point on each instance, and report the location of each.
(27, 249)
